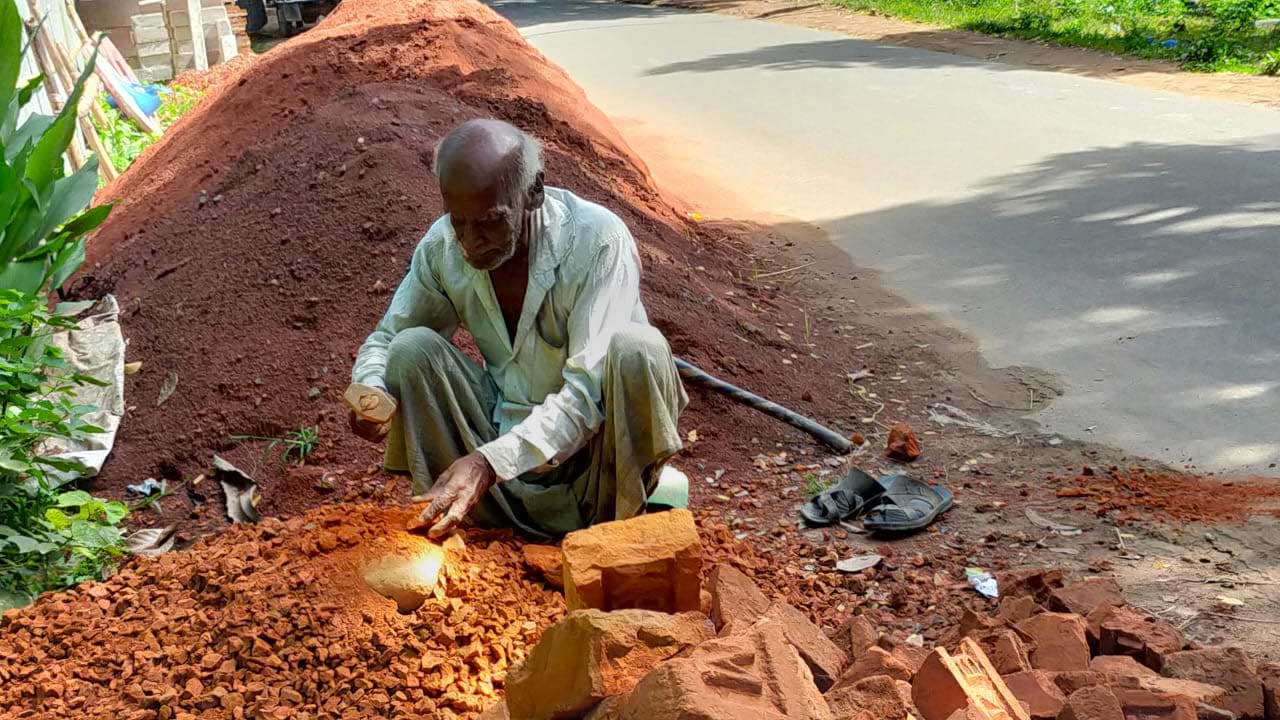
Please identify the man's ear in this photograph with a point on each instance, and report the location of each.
(536, 193)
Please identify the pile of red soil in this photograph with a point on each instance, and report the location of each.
(256, 245)
(1138, 494)
(273, 621)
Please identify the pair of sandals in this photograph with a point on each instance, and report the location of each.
(891, 504)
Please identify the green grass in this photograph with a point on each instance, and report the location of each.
(124, 141)
(1209, 35)
(298, 444)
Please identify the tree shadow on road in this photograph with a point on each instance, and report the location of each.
(1154, 263)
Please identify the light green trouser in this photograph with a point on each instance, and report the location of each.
(446, 409)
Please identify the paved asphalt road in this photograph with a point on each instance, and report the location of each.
(1123, 239)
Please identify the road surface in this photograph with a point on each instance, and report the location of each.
(1123, 239)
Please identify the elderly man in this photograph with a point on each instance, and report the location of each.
(574, 412)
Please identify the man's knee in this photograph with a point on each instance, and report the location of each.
(412, 350)
(636, 347)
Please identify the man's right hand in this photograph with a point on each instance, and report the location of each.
(368, 429)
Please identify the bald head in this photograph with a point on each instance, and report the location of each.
(490, 175)
(481, 154)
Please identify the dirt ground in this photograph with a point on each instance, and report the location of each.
(256, 244)
(1160, 75)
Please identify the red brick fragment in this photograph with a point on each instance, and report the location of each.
(964, 683)
(1036, 688)
(1084, 596)
(1229, 668)
(1092, 703)
(1125, 631)
(1058, 641)
(902, 444)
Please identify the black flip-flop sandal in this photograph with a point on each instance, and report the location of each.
(907, 505)
(845, 499)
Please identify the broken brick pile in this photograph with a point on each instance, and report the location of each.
(273, 621)
(1055, 650)
(1138, 494)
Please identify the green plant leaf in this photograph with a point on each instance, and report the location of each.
(24, 543)
(11, 32)
(25, 93)
(115, 511)
(45, 163)
(88, 220)
(70, 196)
(57, 519)
(74, 498)
(27, 276)
(71, 257)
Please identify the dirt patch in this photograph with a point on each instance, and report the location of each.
(1159, 75)
(273, 620)
(1136, 494)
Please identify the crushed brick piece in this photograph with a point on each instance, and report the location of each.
(1084, 596)
(268, 629)
(1229, 668)
(1036, 688)
(1092, 703)
(876, 661)
(753, 674)
(1139, 704)
(1058, 641)
(963, 682)
(546, 562)
(862, 635)
(1120, 666)
(902, 444)
(1072, 680)
(1008, 653)
(1018, 608)
(591, 655)
(1270, 674)
(825, 660)
(734, 596)
(880, 695)
(1125, 631)
(650, 562)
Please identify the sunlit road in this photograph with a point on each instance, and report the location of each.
(1122, 239)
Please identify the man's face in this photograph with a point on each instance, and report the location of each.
(487, 223)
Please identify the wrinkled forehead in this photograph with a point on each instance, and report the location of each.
(474, 177)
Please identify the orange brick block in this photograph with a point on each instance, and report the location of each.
(650, 562)
(965, 682)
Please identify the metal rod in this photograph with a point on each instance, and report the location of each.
(827, 436)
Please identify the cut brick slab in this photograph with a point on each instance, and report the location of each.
(1270, 674)
(591, 655)
(546, 562)
(1084, 596)
(652, 562)
(1015, 609)
(825, 660)
(881, 696)
(1120, 666)
(862, 635)
(1125, 631)
(1058, 641)
(964, 682)
(1037, 583)
(1009, 653)
(1229, 668)
(1092, 703)
(1036, 688)
(734, 596)
(876, 661)
(755, 674)
(1196, 692)
(1072, 680)
(1139, 704)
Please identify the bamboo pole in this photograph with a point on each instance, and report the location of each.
(90, 94)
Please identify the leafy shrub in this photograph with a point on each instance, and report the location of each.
(50, 536)
(1271, 63)
(1234, 16)
(124, 141)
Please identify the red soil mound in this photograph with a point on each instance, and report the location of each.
(273, 621)
(257, 244)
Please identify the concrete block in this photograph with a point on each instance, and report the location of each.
(150, 35)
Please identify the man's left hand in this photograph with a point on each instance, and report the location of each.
(455, 493)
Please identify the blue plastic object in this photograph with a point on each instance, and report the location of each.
(147, 97)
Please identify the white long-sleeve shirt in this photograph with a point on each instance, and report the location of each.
(584, 285)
